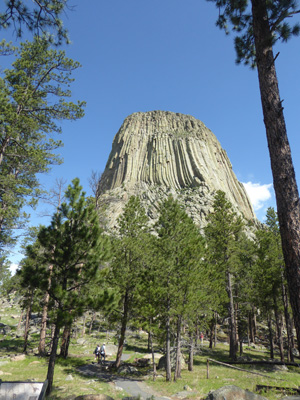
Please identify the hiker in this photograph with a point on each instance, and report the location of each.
(102, 353)
(97, 352)
(201, 338)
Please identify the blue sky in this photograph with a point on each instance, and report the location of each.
(169, 55)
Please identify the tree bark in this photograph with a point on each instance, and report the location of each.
(152, 352)
(92, 322)
(177, 373)
(168, 350)
(278, 320)
(191, 351)
(20, 320)
(64, 348)
(27, 322)
(51, 365)
(232, 333)
(83, 328)
(215, 335)
(149, 341)
(212, 330)
(42, 343)
(288, 322)
(271, 337)
(123, 329)
(284, 179)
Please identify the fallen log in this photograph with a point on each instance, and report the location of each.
(260, 362)
(239, 369)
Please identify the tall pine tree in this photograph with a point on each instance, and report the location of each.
(223, 233)
(75, 246)
(260, 24)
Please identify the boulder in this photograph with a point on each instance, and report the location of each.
(156, 356)
(295, 352)
(280, 368)
(19, 357)
(232, 392)
(111, 350)
(127, 369)
(142, 362)
(162, 360)
(4, 329)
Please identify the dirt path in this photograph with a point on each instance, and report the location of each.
(138, 388)
(132, 386)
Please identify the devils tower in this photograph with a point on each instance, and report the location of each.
(158, 153)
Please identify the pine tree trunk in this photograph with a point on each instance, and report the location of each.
(168, 352)
(177, 373)
(51, 365)
(152, 352)
(197, 334)
(254, 324)
(232, 329)
(83, 328)
(212, 330)
(251, 327)
(149, 341)
(191, 352)
(288, 321)
(215, 336)
(92, 322)
(42, 343)
(285, 185)
(248, 329)
(123, 330)
(271, 337)
(43, 331)
(20, 320)
(65, 342)
(52, 337)
(278, 320)
(27, 322)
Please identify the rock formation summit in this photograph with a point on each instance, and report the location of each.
(158, 153)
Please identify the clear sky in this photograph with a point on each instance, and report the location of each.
(169, 55)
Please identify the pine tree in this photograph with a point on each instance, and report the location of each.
(75, 246)
(178, 267)
(38, 16)
(127, 262)
(33, 99)
(260, 25)
(222, 233)
(270, 279)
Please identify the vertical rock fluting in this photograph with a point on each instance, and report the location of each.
(158, 153)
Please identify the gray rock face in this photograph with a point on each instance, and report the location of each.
(159, 153)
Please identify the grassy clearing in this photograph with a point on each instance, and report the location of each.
(69, 382)
(220, 376)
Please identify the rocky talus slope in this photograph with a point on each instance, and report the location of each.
(159, 153)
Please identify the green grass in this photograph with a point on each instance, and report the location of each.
(35, 368)
(220, 375)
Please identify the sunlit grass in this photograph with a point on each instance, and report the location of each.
(69, 381)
